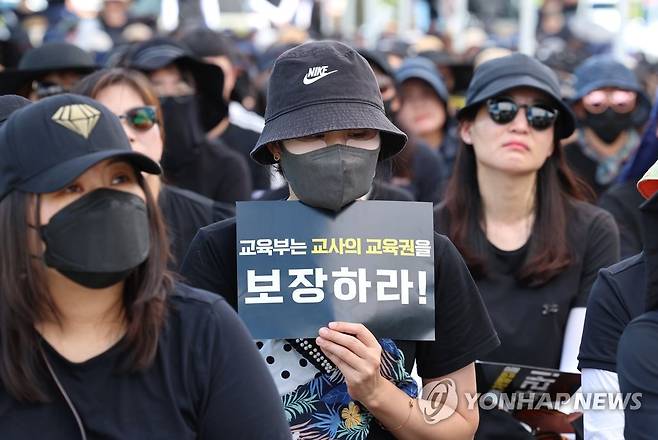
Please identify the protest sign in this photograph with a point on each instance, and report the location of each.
(300, 268)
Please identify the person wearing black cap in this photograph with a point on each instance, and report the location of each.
(9, 104)
(47, 70)
(327, 139)
(514, 210)
(425, 116)
(611, 107)
(91, 321)
(129, 95)
(240, 128)
(190, 94)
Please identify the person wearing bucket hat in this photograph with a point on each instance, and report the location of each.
(623, 198)
(611, 107)
(515, 212)
(320, 132)
(239, 129)
(616, 354)
(47, 70)
(425, 116)
(91, 318)
(190, 93)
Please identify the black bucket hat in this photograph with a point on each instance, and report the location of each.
(161, 52)
(512, 71)
(51, 57)
(605, 71)
(324, 86)
(48, 144)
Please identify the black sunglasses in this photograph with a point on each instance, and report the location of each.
(141, 118)
(504, 110)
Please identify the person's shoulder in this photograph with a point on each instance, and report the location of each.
(631, 265)
(187, 197)
(386, 191)
(188, 295)
(226, 227)
(622, 286)
(639, 341)
(583, 215)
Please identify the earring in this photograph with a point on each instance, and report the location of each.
(277, 156)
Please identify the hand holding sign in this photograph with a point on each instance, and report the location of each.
(357, 353)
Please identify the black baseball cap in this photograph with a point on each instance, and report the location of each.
(512, 71)
(324, 86)
(37, 62)
(9, 104)
(46, 145)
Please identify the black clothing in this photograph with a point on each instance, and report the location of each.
(215, 172)
(584, 167)
(617, 297)
(207, 382)
(380, 191)
(185, 212)
(622, 200)
(463, 329)
(637, 366)
(242, 141)
(527, 316)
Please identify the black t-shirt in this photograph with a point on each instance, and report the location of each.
(185, 212)
(216, 172)
(637, 369)
(616, 298)
(622, 200)
(207, 382)
(530, 321)
(242, 141)
(463, 329)
(584, 167)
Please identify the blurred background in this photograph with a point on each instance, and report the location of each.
(452, 33)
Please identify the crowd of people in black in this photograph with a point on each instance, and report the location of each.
(118, 182)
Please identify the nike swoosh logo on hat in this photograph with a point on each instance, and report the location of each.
(308, 80)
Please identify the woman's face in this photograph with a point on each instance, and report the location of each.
(365, 138)
(120, 98)
(170, 81)
(422, 111)
(514, 147)
(111, 173)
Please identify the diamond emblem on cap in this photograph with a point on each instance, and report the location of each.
(79, 118)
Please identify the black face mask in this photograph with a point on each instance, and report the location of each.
(183, 131)
(99, 239)
(609, 124)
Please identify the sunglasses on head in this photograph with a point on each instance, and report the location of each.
(504, 110)
(140, 118)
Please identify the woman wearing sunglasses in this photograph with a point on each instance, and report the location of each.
(96, 340)
(513, 210)
(129, 95)
(611, 108)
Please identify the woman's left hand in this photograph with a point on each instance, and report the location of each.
(357, 353)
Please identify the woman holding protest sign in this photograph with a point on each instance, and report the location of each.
(96, 340)
(327, 139)
(514, 211)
